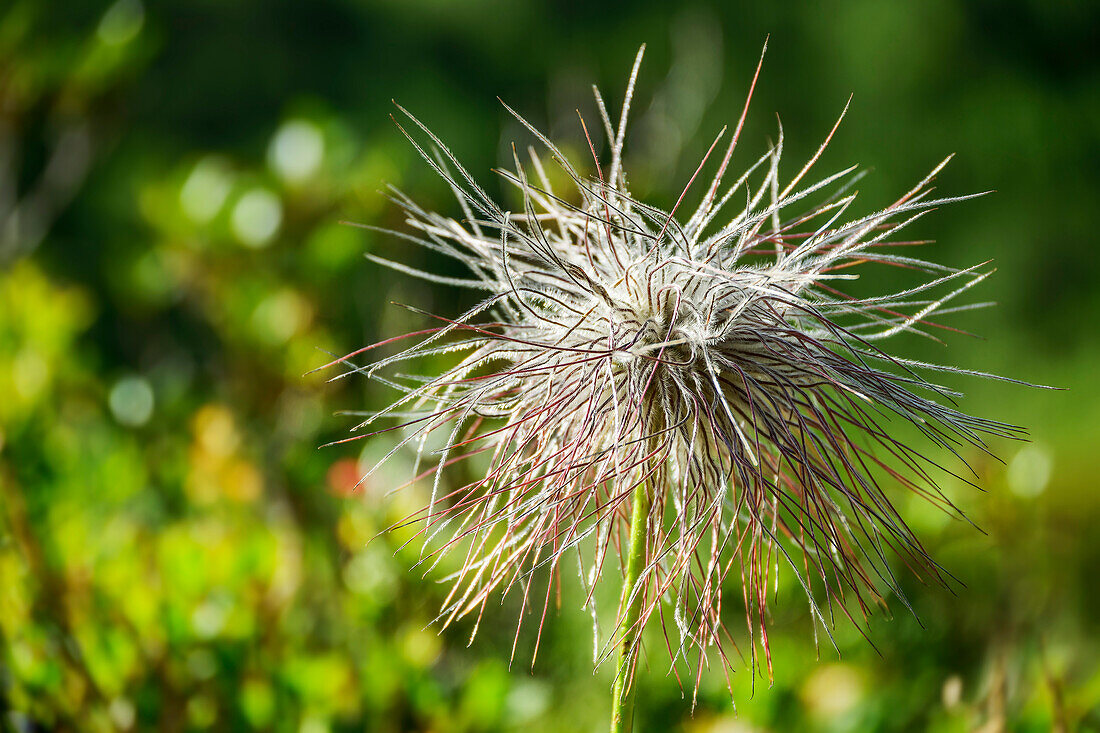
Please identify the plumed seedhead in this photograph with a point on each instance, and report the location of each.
(711, 360)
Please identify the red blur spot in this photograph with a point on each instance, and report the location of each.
(342, 477)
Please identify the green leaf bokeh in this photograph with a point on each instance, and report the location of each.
(177, 554)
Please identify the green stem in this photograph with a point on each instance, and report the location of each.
(629, 610)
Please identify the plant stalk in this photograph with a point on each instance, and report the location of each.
(629, 609)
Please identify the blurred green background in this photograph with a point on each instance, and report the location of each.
(176, 554)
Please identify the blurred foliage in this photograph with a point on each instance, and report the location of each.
(176, 554)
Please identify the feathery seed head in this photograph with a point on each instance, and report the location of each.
(710, 360)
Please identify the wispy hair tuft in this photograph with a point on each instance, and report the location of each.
(710, 359)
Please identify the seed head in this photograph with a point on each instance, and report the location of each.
(712, 360)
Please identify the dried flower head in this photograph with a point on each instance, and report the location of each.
(708, 365)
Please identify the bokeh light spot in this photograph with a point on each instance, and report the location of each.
(370, 573)
(122, 713)
(420, 647)
(527, 700)
(280, 316)
(257, 217)
(215, 430)
(342, 477)
(296, 150)
(1029, 472)
(131, 401)
(30, 372)
(952, 692)
(209, 618)
(204, 192)
(833, 690)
